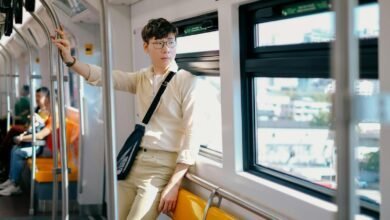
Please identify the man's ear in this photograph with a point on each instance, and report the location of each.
(146, 47)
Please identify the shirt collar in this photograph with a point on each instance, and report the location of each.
(172, 67)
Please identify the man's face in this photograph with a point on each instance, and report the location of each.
(40, 99)
(161, 51)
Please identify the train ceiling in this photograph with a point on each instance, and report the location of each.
(14, 15)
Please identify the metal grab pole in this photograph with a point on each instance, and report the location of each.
(53, 116)
(11, 76)
(32, 107)
(62, 138)
(109, 113)
(4, 74)
(345, 71)
(7, 86)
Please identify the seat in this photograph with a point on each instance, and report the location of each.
(191, 207)
(44, 166)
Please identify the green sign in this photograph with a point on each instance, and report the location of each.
(193, 29)
(306, 7)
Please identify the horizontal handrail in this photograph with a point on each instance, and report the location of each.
(231, 197)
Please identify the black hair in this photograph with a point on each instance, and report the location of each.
(44, 90)
(158, 28)
(26, 89)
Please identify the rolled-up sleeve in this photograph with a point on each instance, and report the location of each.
(190, 110)
(124, 81)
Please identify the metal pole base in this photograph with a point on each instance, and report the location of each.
(31, 211)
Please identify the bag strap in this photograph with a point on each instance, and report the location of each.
(156, 99)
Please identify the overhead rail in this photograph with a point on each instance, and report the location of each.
(222, 193)
(109, 111)
(32, 107)
(61, 107)
(53, 79)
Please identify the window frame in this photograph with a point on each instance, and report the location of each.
(272, 61)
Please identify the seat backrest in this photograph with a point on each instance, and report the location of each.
(191, 207)
(72, 136)
(188, 206)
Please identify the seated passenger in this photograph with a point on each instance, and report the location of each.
(43, 112)
(20, 153)
(22, 111)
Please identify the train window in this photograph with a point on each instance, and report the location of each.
(198, 43)
(313, 28)
(198, 52)
(287, 90)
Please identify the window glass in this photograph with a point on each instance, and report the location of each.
(198, 43)
(314, 28)
(295, 136)
(367, 181)
(293, 127)
(210, 92)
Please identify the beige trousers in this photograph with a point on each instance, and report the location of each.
(139, 194)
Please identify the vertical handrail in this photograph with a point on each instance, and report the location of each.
(7, 86)
(32, 106)
(12, 79)
(62, 138)
(5, 76)
(345, 71)
(53, 115)
(109, 113)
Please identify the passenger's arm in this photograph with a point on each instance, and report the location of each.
(122, 80)
(63, 45)
(169, 194)
(39, 135)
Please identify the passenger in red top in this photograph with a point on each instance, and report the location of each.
(24, 150)
(42, 113)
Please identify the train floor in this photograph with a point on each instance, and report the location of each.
(16, 207)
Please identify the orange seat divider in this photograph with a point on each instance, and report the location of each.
(191, 207)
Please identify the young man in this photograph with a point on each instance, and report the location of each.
(169, 146)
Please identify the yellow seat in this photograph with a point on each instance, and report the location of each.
(188, 206)
(191, 207)
(215, 213)
(44, 166)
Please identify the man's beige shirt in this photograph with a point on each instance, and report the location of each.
(172, 126)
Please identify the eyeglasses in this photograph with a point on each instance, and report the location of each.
(161, 44)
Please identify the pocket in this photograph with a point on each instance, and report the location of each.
(168, 161)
